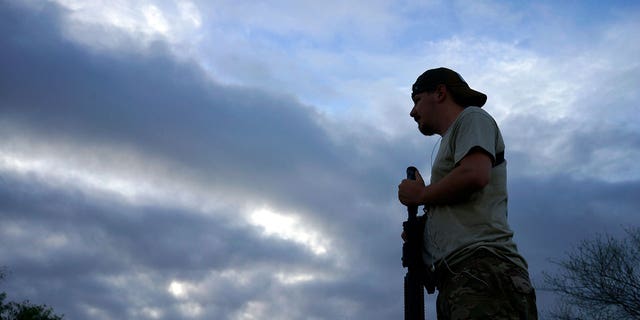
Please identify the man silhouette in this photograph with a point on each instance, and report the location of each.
(467, 240)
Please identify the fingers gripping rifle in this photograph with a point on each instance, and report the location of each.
(417, 274)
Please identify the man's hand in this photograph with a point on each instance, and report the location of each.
(411, 192)
(471, 175)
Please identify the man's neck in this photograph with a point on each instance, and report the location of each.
(449, 115)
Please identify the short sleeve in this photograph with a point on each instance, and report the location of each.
(475, 130)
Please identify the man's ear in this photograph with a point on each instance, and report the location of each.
(441, 92)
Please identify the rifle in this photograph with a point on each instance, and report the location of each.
(418, 275)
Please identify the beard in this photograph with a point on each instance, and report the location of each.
(426, 130)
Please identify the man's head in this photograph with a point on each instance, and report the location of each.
(460, 91)
(439, 95)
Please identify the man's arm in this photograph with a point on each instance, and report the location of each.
(472, 174)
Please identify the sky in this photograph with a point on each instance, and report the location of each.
(240, 159)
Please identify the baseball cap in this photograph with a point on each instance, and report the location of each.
(461, 91)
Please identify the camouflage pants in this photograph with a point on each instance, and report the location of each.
(485, 286)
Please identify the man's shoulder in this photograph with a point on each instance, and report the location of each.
(473, 117)
(473, 112)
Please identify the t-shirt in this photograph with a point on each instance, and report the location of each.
(453, 232)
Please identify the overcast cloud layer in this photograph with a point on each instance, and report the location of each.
(233, 160)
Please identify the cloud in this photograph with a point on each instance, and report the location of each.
(156, 105)
(118, 25)
(329, 21)
(136, 182)
(99, 144)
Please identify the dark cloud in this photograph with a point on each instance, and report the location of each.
(110, 240)
(267, 145)
(85, 252)
(553, 213)
(154, 103)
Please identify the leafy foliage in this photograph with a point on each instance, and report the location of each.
(24, 310)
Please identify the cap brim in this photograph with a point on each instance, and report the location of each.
(469, 97)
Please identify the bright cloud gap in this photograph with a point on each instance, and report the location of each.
(288, 227)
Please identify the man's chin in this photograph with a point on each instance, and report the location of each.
(425, 131)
